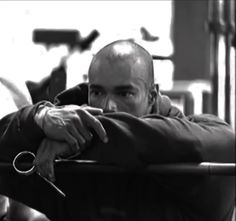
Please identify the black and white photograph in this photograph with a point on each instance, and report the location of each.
(117, 110)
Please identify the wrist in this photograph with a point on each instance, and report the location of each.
(41, 112)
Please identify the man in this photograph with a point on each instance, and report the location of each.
(120, 118)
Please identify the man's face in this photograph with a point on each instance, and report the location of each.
(119, 86)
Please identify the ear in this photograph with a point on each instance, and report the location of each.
(152, 95)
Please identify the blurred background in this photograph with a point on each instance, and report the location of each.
(111, 20)
(46, 47)
(191, 43)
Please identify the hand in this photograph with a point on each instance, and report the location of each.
(47, 152)
(73, 124)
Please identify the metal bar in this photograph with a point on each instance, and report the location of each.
(229, 33)
(214, 26)
(204, 168)
(159, 57)
(75, 166)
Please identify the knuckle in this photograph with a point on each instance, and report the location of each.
(68, 126)
(75, 119)
(80, 111)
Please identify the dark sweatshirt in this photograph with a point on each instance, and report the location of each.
(163, 136)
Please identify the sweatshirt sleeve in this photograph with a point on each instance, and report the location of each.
(18, 132)
(135, 142)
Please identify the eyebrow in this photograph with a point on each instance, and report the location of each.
(117, 88)
(124, 87)
(95, 86)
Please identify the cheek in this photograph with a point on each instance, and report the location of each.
(94, 102)
(137, 107)
(133, 109)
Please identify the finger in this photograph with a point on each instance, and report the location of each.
(77, 108)
(46, 169)
(76, 133)
(41, 151)
(94, 123)
(51, 174)
(44, 161)
(64, 150)
(72, 141)
(94, 110)
(83, 130)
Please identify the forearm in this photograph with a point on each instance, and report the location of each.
(134, 143)
(216, 138)
(156, 139)
(137, 142)
(19, 131)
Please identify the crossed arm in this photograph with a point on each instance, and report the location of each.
(115, 138)
(119, 139)
(66, 128)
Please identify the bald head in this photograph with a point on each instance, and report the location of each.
(130, 54)
(121, 79)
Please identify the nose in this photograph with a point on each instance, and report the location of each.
(110, 105)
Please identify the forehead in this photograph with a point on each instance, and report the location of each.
(117, 72)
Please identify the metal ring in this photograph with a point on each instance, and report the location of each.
(23, 172)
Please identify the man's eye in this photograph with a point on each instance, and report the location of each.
(126, 94)
(96, 93)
